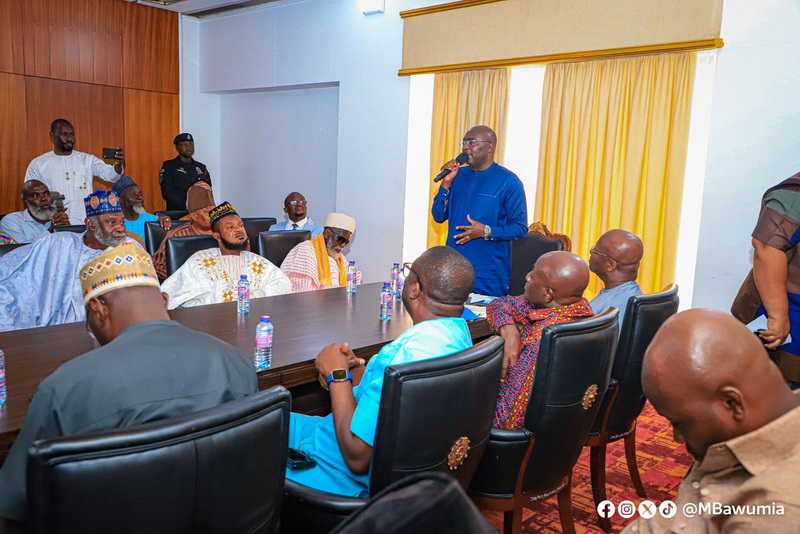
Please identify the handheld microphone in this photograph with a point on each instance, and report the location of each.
(460, 159)
(58, 199)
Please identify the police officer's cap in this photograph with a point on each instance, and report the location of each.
(183, 137)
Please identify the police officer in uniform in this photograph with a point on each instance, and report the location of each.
(179, 174)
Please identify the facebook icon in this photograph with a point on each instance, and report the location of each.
(606, 509)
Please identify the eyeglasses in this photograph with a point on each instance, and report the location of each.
(593, 250)
(472, 142)
(407, 269)
(340, 238)
(297, 202)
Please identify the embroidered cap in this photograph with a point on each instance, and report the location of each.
(125, 265)
(183, 137)
(223, 210)
(101, 202)
(122, 184)
(341, 221)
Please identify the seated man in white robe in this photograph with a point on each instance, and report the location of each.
(39, 283)
(212, 275)
(319, 263)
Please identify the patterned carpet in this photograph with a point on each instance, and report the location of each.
(662, 465)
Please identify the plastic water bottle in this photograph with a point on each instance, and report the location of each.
(262, 354)
(243, 305)
(387, 299)
(2, 377)
(396, 284)
(352, 287)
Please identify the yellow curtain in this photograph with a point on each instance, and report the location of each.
(613, 154)
(462, 100)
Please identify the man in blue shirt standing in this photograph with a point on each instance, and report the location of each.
(484, 204)
(341, 443)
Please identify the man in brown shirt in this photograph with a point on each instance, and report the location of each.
(199, 202)
(711, 377)
(773, 286)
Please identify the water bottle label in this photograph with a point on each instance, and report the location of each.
(244, 292)
(386, 299)
(263, 342)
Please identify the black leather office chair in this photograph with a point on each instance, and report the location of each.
(625, 399)
(5, 249)
(431, 412)
(254, 226)
(524, 253)
(172, 214)
(275, 246)
(154, 234)
(77, 228)
(180, 249)
(217, 470)
(529, 464)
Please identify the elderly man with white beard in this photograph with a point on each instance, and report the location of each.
(39, 283)
(132, 202)
(38, 217)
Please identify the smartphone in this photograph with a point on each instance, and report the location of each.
(109, 153)
(300, 460)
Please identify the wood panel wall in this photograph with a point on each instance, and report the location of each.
(108, 66)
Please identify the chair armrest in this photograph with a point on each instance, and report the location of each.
(322, 500)
(501, 463)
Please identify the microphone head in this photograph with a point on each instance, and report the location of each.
(462, 158)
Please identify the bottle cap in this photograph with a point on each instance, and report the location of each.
(243, 277)
(265, 318)
(387, 284)
(396, 264)
(352, 262)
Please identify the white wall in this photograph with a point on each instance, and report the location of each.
(199, 111)
(754, 139)
(299, 43)
(275, 142)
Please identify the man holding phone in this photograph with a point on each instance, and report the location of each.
(71, 172)
(340, 445)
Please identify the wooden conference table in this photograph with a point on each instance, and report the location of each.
(304, 324)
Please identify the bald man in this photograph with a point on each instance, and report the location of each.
(341, 443)
(711, 377)
(484, 205)
(615, 260)
(553, 295)
(38, 217)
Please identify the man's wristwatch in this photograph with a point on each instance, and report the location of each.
(487, 232)
(339, 375)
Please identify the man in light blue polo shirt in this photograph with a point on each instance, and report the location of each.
(615, 260)
(38, 217)
(132, 202)
(341, 443)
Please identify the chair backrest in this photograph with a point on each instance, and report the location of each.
(154, 234)
(217, 470)
(173, 214)
(434, 411)
(644, 315)
(179, 249)
(573, 369)
(276, 245)
(254, 226)
(5, 249)
(524, 253)
(77, 228)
